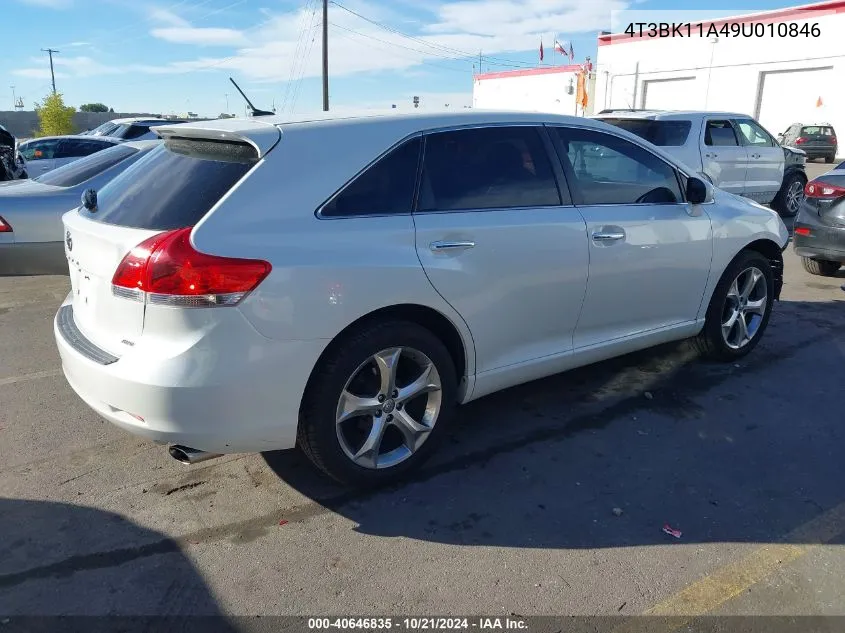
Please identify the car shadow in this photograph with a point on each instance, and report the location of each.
(606, 455)
(67, 567)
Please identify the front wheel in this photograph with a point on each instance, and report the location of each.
(820, 266)
(790, 196)
(739, 310)
(378, 403)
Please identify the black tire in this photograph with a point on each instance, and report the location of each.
(820, 267)
(317, 435)
(829, 159)
(779, 204)
(710, 342)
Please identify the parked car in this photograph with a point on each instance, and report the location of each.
(731, 150)
(49, 152)
(31, 234)
(138, 128)
(247, 287)
(819, 229)
(818, 140)
(12, 165)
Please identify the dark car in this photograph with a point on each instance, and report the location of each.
(817, 140)
(12, 166)
(819, 233)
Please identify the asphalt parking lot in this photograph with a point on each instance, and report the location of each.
(549, 498)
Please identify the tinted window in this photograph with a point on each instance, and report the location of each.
(134, 131)
(487, 168)
(174, 185)
(609, 170)
(75, 148)
(720, 133)
(387, 187)
(85, 168)
(662, 133)
(37, 150)
(754, 134)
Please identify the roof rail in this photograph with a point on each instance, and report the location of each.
(610, 110)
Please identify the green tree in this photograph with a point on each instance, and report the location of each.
(54, 117)
(93, 107)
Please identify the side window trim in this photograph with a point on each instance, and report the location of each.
(319, 212)
(572, 181)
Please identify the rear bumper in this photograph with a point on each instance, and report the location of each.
(33, 258)
(234, 391)
(823, 242)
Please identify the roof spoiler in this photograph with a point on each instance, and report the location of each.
(262, 135)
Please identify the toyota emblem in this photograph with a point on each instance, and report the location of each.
(69, 241)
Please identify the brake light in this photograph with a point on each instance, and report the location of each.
(833, 140)
(166, 270)
(802, 231)
(5, 227)
(800, 139)
(823, 191)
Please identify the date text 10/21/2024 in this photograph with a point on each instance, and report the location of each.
(418, 624)
(713, 29)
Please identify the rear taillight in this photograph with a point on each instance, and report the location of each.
(801, 139)
(5, 227)
(802, 231)
(823, 191)
(166, 270)
(833, 140)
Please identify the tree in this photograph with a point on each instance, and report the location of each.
(111, 109)
(54, 117)
(93, 107)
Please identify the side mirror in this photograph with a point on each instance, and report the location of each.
(696, 191)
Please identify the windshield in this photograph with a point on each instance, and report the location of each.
(86, 168)
(104, 129)
(661, 133)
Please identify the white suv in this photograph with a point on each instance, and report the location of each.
(343, 284)
(732, 150)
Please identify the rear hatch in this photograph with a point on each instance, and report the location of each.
(816, 137)
(174, 186)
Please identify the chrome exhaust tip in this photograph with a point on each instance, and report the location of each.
(186, 455)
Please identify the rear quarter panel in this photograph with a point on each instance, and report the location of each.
(327, 273)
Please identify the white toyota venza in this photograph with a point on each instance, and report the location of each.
(342, 284)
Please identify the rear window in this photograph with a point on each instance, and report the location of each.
(661, 133)
(85, 168)
(815, 130)
(174, 186)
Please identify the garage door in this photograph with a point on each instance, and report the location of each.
(669, 94)
(792, 96)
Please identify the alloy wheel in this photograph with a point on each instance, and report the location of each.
(794, 196)
(744, 308)
(388, 407)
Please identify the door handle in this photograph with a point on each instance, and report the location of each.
(446, 245)
(608, 236)
(755, 155)
(711, 155)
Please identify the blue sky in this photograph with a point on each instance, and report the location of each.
(176, 56)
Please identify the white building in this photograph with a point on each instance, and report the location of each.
(762, 70)
(542, 89)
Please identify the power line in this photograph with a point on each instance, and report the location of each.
(294, 64)
(434, 45)
(306, 55)
(394, 45)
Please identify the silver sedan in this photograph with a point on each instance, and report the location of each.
(31, 235)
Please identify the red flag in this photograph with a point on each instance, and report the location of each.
(541, 49)
(819, 103)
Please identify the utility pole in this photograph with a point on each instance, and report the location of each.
(14, 98)
(325, 55)
(50, 51)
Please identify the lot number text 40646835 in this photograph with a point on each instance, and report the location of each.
(712, 29)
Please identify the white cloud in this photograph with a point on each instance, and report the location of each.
(455, 33)
(199, 36)
(35, 73)
(52, 4)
